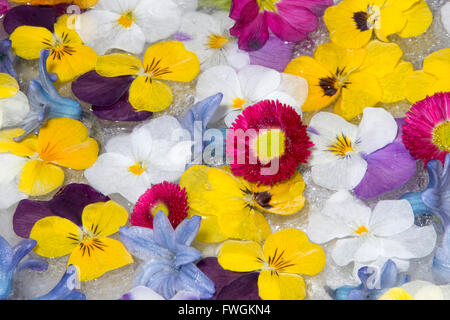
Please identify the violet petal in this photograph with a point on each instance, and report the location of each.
(25, 15)
(275, 54)
(121, 111)
(94, 89)
(243, 288)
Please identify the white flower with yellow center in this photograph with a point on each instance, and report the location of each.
(364, 235)
(338, 155)
(154, 152)
(128, 24)
(209, 37)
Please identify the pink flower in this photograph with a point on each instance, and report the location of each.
(426, 133)
(289, 20)
(4, 6)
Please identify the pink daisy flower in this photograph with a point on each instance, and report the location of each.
(289, 20)
(426, 133)
(267, 142)
(167, 197)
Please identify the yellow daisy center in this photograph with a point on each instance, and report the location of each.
(368, 19)
(361, 230)
(267, 5)
(160, 207)
(216, 41)
(441, 136)
(269, 145)
(126, 19)
(137, 169)
(342, 147)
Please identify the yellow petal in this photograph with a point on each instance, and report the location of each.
(150, 95)
(66, 34)
(55, 236)
(334, 57)
(209, 229)
(396, 294)
(381, 58)
(342, 27)
(312, 72)
(39, 178)
(118, 64)
(97, 256)
(84, 4)
(418, 85)
(402, 5)
(241, 256)
(104, 218)
(287, 197)
(26, 148)
(363, 91)
(169, 60)
(289, 251)
(27, 42)
(8, 86)
(276, 286)
(70, 61)
(438, 63)
(391, 21)
(418, 19)
(66, 142)
(394, 84)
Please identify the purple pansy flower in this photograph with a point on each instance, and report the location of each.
(25, 15)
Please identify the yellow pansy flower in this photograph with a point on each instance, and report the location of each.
(434, 77)
(286, 255)
(83, 4)
(61, 142)
(167, 60)
(89, 247)
(396, 294)
(68, 58)
(352, 22)
(232, 207)
(354, 78)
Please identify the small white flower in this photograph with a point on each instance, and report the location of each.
(365, 235)
(154, 152)
(337, 157)
(250, 85)
(13, 109)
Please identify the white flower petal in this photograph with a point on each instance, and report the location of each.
(166, 128)
(296, 87)
(257, 81)
(369, 249)
(117, 6)
(377, 129)
(342, 174)
(329, 125)
(323, 228)
(235, 57)
(187, 5)
(391, 217)
(344, 251)
(445, 16)
(285, 99)
(10, 194)
(231, 117)
(14, 109)
(120, 144)
(10, 167)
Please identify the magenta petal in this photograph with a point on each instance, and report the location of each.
(68, 203)
(94, 89)
(284, 30)
(316, 6)
(243, 288)
(4, 6)
(253, 36)
(237, 6)
(122, 110)
(275, 54)
(25, 15)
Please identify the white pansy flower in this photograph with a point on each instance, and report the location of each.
(154, 152)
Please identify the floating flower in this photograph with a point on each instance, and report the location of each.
(69, 203)
(84, 4)
(128, 24)
(145, 293)
(89, 247)
(433, 78)
(355, 79)
(285, 256)
(441, 260)
(426, 133)
(288, 20)
(373, 283)
(352, 23)
(209, 38)
(277, 144)
(13, 103)
(69, 58)
(33, 166)
(417, 290)
(66, 289)
(232, 207)
(365, 235)
(249, 86)
(445, 16)
(167, 60)
(166, 197)
(154, 152)
(370, 159)
(168, 258)
(10, 263)
(26, 15)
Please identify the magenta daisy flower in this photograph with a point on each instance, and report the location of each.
(167, 197)
(267, 142)
(426, 133)
(289, 20)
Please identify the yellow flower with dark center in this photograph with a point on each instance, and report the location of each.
(69, 58)
(353, 22)
(168, 61)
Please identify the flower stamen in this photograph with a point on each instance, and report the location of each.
(342, 147)
(216, 41)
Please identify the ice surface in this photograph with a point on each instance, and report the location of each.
(112, 285)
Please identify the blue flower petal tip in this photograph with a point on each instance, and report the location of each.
(10, 263)
(45, 101)
(7, 58)
(67, 287)
(441, 261)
